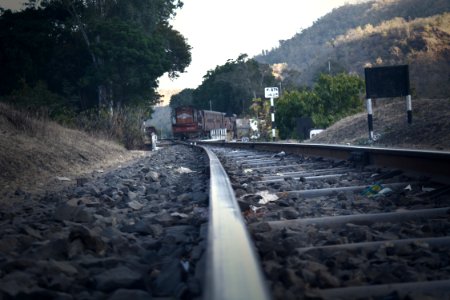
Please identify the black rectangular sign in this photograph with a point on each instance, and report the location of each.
(384, 82)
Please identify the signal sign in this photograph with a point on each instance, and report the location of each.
(271, 92)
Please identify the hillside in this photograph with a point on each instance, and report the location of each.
(430, 128)
(38, 155)
(382, 32)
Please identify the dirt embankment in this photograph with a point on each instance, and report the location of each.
(430, 128)
(38, 155)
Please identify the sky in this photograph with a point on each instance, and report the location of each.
(218, 30)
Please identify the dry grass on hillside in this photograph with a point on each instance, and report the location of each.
(33, 153)
(430, 128)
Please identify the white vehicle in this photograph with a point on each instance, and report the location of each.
(314, 132)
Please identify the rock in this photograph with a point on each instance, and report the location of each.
(243, 205)
(31, 232)
(156, 230)
(90, 240)
(63, 267)
(124, 294)
(131, 196)
(135, 205)
(50, 249)
(164, 219)
(239, 192)
(168, 279)
(76, 247)
(181, 233)
(273, 268)
(289, 278)
(261, 227)
(79, 214)
(119, 277)
(8, 244)
(308, 276)
(145, 170)
(61, 282)
(139, 227)
(153, 176)
(17, 283)
(185, 197)
(200, 197)
(327, 280)
(289, 214)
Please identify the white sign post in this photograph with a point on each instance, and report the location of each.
(272, 92)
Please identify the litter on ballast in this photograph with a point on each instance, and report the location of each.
(266, 197)
(281, 154)
(185, 265)
(183, 170)
(385, 191)
(180, 215)
(372, 190)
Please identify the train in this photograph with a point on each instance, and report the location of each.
(191, 123)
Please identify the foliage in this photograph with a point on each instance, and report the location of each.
(231, 87)
(183, 98)
(260, 110)
(124, 126)
(92, 53)
(99, 59)
(338, 96)
(332, 98)
(40, 102)
(292, 105)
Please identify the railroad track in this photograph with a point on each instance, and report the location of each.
(329, 228)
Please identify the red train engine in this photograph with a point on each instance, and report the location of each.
(190, 123)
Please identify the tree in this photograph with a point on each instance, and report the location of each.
(93, 52)
(182, 98)
(339, 96)
(36, 47)
(332, 98)
(231, 87)
(293, 105)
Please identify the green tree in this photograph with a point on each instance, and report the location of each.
(339, 96)
(332, 98)
(93, 53)
(232, 86)
(293, 105)
(182, 98)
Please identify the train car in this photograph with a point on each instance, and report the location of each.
(212, 120)
(187, 123)
(190, 123)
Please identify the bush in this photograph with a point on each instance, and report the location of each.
(122, 125)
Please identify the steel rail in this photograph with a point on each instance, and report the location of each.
(423, 161)
(361, 219)
(232, 268)
(403, 289)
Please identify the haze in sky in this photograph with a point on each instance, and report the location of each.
(218, 30)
